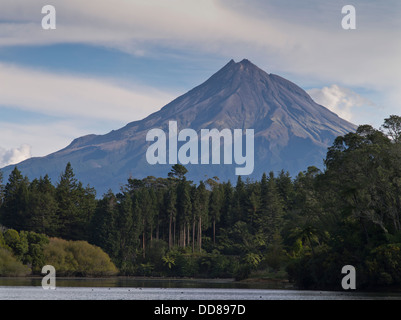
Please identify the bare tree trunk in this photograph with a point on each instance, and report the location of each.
(143, 243)
(183, 231)
(193, 235)
(170, 238)
(188, 238)
(181, 238)
(157, 230)
(151, 234)
(214, 231)
(200, 234)
(174, 225)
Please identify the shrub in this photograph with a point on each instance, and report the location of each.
(18, 244)
(10, 266)
(34, 256)
(242, 271)
(2, 241)
(78, 258)
(385, 264)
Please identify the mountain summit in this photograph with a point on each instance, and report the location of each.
(291, 131)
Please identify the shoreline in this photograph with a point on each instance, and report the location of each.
(146, 281)
(177, 282)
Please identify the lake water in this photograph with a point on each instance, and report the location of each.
(99, 293)
(169, 289)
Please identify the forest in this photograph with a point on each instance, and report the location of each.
(303, 228)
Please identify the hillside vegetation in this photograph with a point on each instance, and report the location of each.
(304, 228)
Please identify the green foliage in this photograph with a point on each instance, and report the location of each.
(242, 271)
(252, 259)
(43, 207)
(26, 247)
(78, 258)
(350, 213)
(169, 260)
(10, 266)
(384, 265)
(392, 125)
(33, 253)
(19, 245)
(38, 206)
(14, 209)
(76, 205)
(178, 171)
(2, 241)
(309, 226)
(25, 250)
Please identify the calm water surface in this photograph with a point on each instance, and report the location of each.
(169, 289)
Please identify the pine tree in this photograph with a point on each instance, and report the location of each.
(170, 200)
(195, 212)
(226, 207)
(239, 207)
(66, 196)
(215, 205)
(184, 208)
(127, 231)
(86, 207)
(15, 204)
(203, 211)
(272, 209)
(147, 213)
(76, 206)
(285, 188)
(43, 207)
(103, 226)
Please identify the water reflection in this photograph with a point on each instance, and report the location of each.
(149, 283)
(166, 289)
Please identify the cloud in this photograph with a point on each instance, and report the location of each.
(346, 103)
(63, 107)
(304, 38)
(303, 41)
(42, 137)
(310, 29)
(15, 155)
(74, 96)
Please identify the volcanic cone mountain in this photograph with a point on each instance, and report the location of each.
(291, 132)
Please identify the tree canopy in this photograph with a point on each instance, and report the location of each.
(304, 228)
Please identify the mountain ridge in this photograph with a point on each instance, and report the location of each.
(291, 130)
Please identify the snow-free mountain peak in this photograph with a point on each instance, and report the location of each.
(291, 131)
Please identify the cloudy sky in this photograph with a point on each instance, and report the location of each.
(108, 63)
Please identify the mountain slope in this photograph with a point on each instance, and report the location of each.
(291, 131)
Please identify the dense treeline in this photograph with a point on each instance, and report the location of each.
(305, 228)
